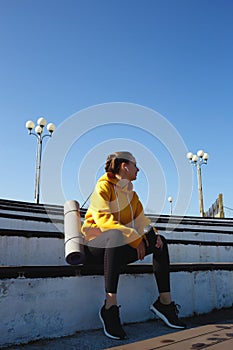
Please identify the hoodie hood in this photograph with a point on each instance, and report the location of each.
(123, 184)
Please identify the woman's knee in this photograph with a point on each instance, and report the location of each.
(114, 239)
(163, 239)
(108, 239)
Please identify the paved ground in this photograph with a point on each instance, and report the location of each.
(96, 340)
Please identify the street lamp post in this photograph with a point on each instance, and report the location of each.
(170, 199)
(198, 160)
(39, 129)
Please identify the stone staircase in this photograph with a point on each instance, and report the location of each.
(43, 297)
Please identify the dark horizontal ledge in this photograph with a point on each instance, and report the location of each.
(190, 229)
(30, 208)
(25, 217)
(6, 204)
(31, 234)
(9, 272)
(22, 208)
(190, 220)
(200, 243)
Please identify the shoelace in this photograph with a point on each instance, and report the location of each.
(176, 308)
(118, 312)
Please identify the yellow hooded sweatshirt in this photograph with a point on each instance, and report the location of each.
(114, 205)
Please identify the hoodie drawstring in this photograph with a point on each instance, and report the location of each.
(119, 209)
(118, 205)
(131, 210)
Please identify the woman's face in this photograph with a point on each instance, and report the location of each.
(132, 169)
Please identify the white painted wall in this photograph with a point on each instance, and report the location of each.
(53, 307)
(21, 251)
(17, 250)
(32, 225)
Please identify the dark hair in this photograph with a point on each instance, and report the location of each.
(114, 161)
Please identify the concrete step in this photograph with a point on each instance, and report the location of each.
(33, 234)
(49, 302)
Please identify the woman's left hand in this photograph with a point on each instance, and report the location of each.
(159, 242)
(141, 250)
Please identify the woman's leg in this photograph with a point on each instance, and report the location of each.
(161, 266)
(106, 250)
(161, 262)
(163, 307)
(115, 256)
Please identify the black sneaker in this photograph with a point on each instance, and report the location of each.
(167, 313)
(111, 321)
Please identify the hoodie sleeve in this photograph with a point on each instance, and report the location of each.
(103, 217)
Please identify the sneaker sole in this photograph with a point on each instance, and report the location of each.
(163, 318)
(105, 331)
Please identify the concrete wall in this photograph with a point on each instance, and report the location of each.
(23, 251)
(52, 307)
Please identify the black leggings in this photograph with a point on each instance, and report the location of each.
(114, 257)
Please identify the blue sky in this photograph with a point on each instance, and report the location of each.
(59, 57)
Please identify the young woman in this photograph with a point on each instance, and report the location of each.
(118, 233)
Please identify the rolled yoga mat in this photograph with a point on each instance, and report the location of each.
(74, 240)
